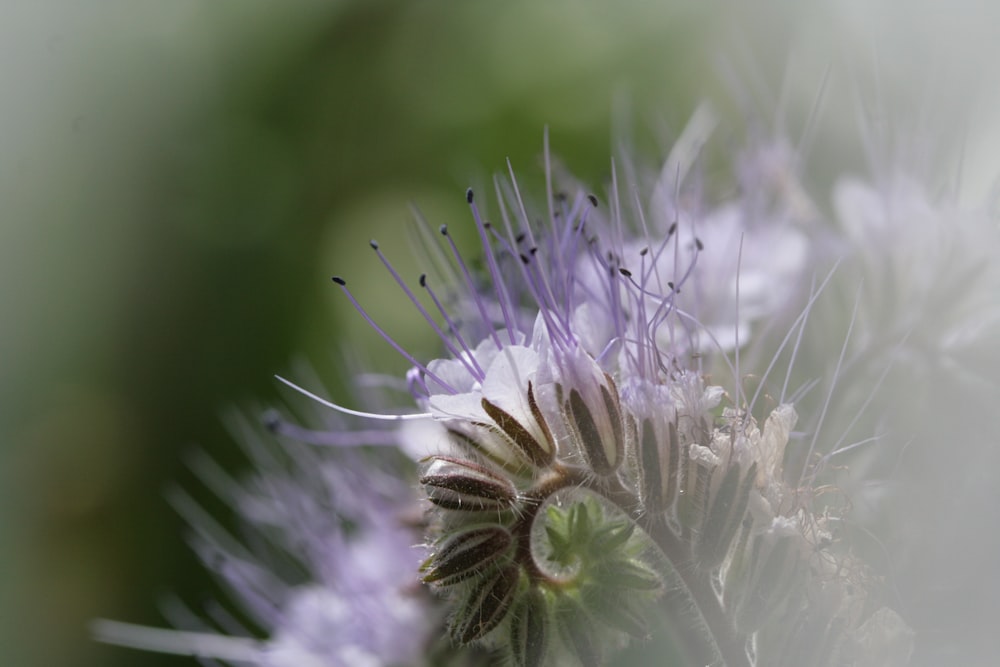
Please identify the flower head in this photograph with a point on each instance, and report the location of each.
(592, 465)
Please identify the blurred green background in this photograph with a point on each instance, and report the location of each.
(179, 179)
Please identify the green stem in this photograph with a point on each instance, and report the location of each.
(728, 643)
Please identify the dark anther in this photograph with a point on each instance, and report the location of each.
(625, 272)
(520, 237)
(443, 229)
(670, 285)
(673, 228)
(374, 244)
(698, 244)
(593, 200)
(468, 195)
(644, 251)
(533, 251)
(487, 224)
(423, 280)
(340, 281)
(525, 260)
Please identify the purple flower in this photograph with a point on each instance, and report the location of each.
(325, 568)
(594, 464)
(584, 459)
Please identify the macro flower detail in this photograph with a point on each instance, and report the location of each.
(601, 460)
(592, 466)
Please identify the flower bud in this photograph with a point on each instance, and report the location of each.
(725, 515)
(466, 554)
(487, 605)
(458, 484)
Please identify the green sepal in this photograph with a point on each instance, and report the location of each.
(610, 536)
(529, 629)
(625, 574)
(620, 611)
(578, 633)
(467, 553)
(486, 605)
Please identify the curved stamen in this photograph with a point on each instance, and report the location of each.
(280, 426)
(349, 411)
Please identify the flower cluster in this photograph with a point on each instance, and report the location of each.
(617, 446)
(590, 481)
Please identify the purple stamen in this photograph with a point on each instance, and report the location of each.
(472, 287)
(571, 245)
(675, 285)
(387, 338)
(639, 362)
(557, 256)
(491, 262)
(609, 267)
(547, 293)
(544, 308)
(453, 327)
(423, 311)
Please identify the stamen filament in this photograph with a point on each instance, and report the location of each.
(491, 262)
(349, 411)
(423, 311)
(387, 338)
(491, 330)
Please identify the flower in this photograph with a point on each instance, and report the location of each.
(591, 465)
(923, 352)
(326, 568)
(595, 470)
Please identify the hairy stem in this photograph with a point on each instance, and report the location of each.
(727, 642)
(731, 644)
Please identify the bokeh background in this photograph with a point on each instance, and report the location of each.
(179, 179)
